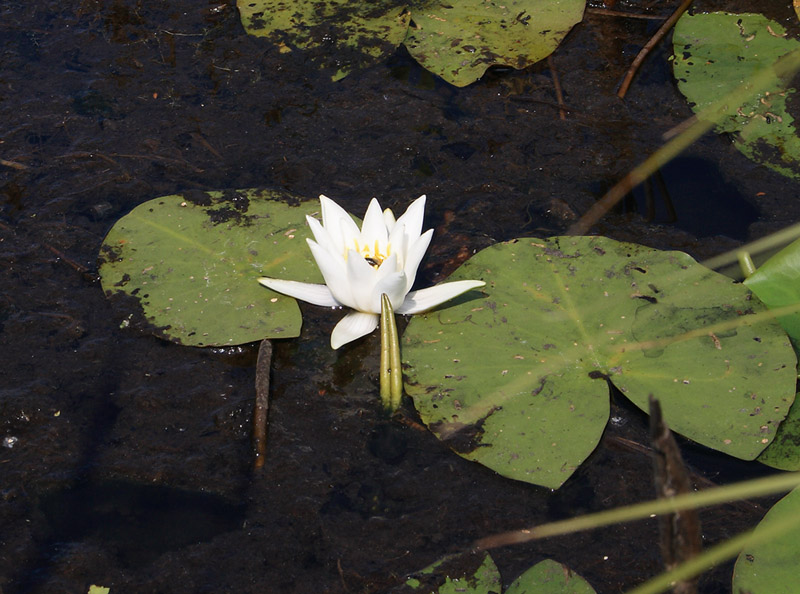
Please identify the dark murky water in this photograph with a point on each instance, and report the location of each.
(126, 461)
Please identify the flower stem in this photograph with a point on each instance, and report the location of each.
(746, 263)
(386, 384)
(391, 370)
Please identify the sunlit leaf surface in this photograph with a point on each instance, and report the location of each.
(192, 260)
(460, 40)
(717, 52)
(777, 284)
(550, 577)
(771, 566)
(516, 378)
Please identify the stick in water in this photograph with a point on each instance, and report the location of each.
(263, 365)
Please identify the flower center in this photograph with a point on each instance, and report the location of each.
(373, 254)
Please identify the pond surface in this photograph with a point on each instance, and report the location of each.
(127, 461)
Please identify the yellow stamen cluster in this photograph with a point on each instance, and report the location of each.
(373, 256)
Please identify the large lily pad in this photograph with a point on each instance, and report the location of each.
(516, 380)
(460, 40)
(348, 34)
(192, 261)
(771, 566)
(717, 52)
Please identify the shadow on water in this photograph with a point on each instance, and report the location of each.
(692, 194)
(135, 523)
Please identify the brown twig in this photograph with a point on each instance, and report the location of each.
(261, 411)
(13, 164)
(681, 538)
(668, 24)
(79, 267)
(562, 107)
(199, 138)
(627, 15)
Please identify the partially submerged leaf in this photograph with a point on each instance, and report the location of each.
(469, 573)
(784, 451)
(771, 566)
(348, 34)
(550, 577)
(716, 53)
(193, 260)
(517, 380)
(460, 40)
(777, 284)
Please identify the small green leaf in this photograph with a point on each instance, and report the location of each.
(550, 577)
(777, 284)
(771, 566)
(348, 34)
(468, 573)
(717, 52)
(460, 40)
(192, 261)
(517, 380)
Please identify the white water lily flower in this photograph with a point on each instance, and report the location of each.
(359, 265)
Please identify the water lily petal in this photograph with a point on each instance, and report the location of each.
(322, 237)
(414, 256)
(354, 325)
(388, 266)
(316, 294)
(425, 299)
(399, 243)
(394, 285)
(361, 277)
(388, 219)
(334, 272)
(338, 223)
(374, 227)
(411, 219)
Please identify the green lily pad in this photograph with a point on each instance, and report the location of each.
(192, 261)
(460, 40)
(717, 52)
(476, 573)
(517, 380)
(784, 451)
(348, 34)
(471, 573)
(777, 284)
(550, 577)
(771, 566)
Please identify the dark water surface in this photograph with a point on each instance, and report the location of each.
(126, 461)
